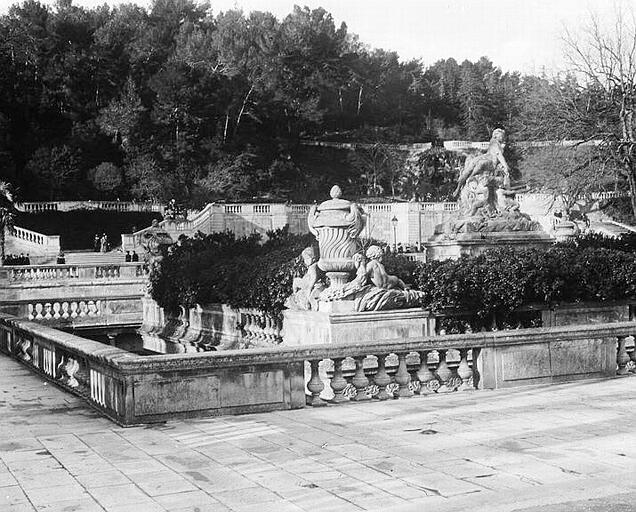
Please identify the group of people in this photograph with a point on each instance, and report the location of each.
(131, 257)
(14, 259)
(400, 248)
(100, 243)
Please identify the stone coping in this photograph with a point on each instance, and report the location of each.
(368, 316)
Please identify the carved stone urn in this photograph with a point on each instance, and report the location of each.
(336, 224)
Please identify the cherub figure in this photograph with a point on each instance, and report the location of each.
(307, 289)
(377, 274)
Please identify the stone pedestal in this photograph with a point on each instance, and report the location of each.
(319, 327)
(442, 247)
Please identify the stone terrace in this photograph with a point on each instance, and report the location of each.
(563, 447)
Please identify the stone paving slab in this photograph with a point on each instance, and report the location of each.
(568, 447)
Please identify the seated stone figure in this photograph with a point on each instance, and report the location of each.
(352, 288)
(373, 288)
(377, 274)
(307, 289)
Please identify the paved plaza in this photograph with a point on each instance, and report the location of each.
(569, 447)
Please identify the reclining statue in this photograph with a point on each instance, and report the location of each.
(373, 288)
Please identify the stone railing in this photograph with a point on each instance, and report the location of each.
(79, 311)
(65, 206)
(213, 327)
(37, 242)
(43, 273)
(134, 389)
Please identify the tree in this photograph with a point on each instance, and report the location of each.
(379, 167)
(7, 213)
(106, 177)
(55, 168)
(569, 173)
(604, 56)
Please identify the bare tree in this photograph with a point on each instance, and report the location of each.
(604, 56)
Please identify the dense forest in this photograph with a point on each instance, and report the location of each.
(180, 101)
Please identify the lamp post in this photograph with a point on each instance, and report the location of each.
(394, 222)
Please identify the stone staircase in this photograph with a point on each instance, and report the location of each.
(94, 258)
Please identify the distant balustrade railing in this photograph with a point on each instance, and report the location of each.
(44, 273)
(133, 389)
(65, 206)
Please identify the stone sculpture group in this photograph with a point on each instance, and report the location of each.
(486, 194)
(337, 224)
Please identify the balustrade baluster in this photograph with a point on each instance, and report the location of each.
(338, 382)
(315, 385)
(360, 380)
(402, 377)
(382, 379)
(444, 373)
(464, 371)
(622, 357)
(632, 356)
(428, 382)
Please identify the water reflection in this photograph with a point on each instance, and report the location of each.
(128, 340)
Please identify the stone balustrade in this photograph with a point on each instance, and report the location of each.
(34, 241)
(213, 327)
(133, 389)
(63, 310)
(15, 274)
(65, 206)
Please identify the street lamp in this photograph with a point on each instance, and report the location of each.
(394, 222)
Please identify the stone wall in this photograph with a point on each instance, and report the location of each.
(133, 389)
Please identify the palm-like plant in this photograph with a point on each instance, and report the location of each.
(7, 214)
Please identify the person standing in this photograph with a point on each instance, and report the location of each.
(127, 259)
(96, 242)
(104, 243)
(135, 256)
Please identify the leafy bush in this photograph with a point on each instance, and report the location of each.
(624, 242)
(498, 282)
(219, 268)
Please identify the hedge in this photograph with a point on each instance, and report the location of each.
(245, 273)
(220, 268)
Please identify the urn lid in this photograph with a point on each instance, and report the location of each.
(335, 203)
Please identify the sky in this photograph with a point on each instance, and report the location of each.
(517, 35)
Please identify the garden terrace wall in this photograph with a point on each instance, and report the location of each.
(134, 389)
(75, 295)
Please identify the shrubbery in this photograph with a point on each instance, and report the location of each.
(220, 268)
(625, 242)
(500, 281)
(244, 273)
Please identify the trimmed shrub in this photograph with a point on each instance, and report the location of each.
(220, 268)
